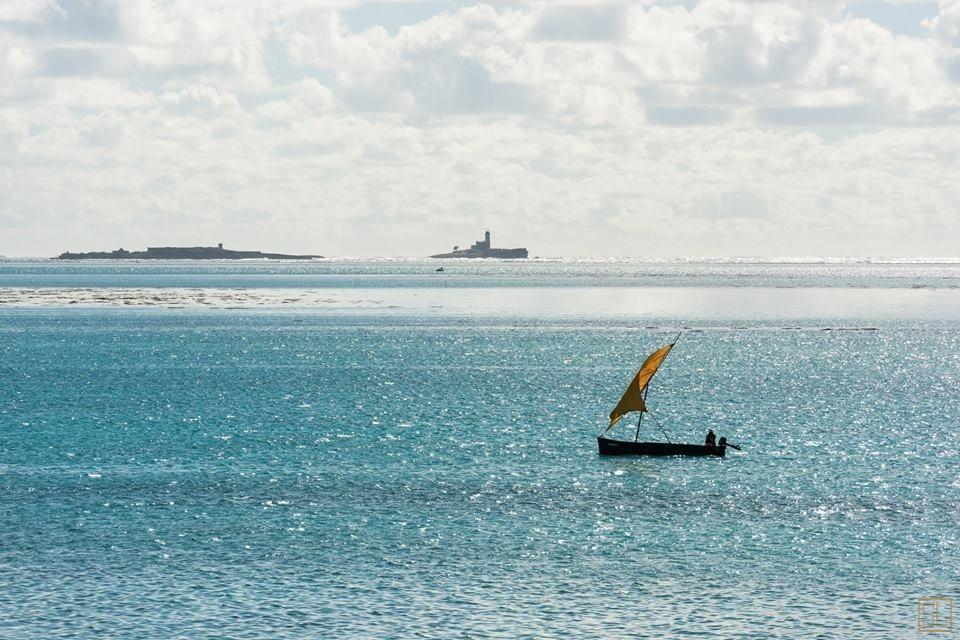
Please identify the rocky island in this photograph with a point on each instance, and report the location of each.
(482, 249)
(180, 253)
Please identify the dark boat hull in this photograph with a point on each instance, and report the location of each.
(620, 448)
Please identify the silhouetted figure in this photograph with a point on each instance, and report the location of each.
(723, 442)
(711, 440)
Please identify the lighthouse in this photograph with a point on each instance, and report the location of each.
(483, 249)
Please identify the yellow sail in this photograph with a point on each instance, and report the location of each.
(632, 399)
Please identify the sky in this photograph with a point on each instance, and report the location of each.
(402, 128)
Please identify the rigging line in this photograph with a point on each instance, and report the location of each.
(657, 422)
(608, 428)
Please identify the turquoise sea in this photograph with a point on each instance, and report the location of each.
(373, 449)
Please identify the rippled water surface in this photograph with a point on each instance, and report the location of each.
(409, 273)
(250, 473)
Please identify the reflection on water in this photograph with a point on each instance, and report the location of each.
(745, 304)
(378, 274)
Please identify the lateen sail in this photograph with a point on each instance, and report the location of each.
(632, 399)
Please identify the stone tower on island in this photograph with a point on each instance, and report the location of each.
(482, 245)
(483, 249)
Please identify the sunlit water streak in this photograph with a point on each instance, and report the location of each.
(394, 473)
(406, 273)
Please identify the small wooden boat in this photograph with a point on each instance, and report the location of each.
(622, 448)
(635, 399)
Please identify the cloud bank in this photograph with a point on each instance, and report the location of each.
(717, 127)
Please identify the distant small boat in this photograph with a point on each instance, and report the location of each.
(635, 399)
(440, 269)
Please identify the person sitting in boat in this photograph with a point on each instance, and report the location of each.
(711, 440)
(723, 442)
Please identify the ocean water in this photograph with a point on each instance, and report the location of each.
(872, 273)
(358, 451)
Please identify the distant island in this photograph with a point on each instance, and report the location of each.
(482, 249)
(179, 253)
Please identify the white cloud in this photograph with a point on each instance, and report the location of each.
(26, 10)
(200, 101)
(16, 60)
(720, 127)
